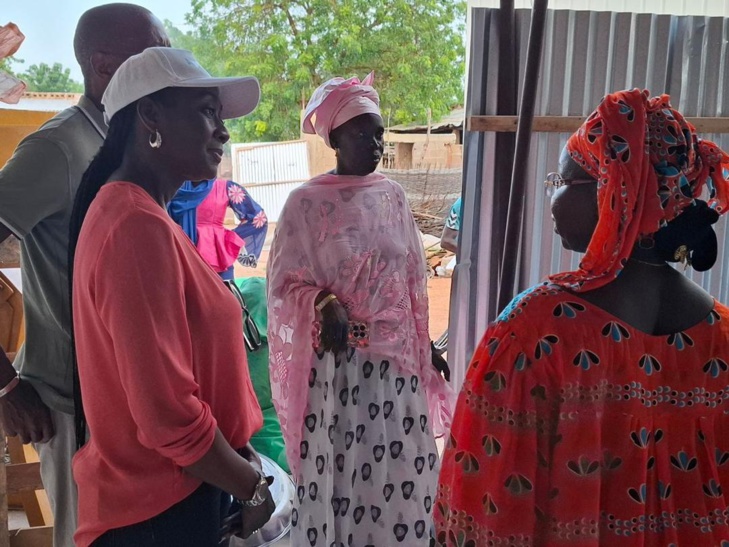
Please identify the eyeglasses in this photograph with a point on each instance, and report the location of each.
(555, 180)
(251, 334)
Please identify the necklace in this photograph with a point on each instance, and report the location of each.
(649, 263)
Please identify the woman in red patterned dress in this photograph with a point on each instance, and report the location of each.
(595, 409)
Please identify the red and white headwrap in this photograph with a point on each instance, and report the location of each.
(650, 165)
(337, 101)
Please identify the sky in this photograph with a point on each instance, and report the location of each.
(49, 25)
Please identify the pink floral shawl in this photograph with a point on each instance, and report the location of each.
(356, 237)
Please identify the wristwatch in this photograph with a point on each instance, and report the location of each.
(259, 496)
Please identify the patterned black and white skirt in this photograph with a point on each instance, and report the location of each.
(369, 464)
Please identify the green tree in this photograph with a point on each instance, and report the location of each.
(6, 65)
(415, 48)
(47, 78)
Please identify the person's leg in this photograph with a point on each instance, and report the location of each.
(55, 466)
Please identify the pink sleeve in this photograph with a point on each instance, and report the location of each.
(140, 293)
(441, 396)
(292, 290)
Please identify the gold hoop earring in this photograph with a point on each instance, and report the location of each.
(155, 139)
(683, 256)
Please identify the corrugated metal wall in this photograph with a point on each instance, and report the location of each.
(271, 171)
(589, 54)
(715, 8)
(272, 196)
(586, 55)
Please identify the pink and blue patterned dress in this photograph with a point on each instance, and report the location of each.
(200, 210)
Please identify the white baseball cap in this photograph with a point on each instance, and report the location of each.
(160, 67)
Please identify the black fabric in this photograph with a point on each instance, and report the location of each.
(192, 522)
(694, 229)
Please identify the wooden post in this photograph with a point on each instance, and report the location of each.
(404, 155)
(424, 153)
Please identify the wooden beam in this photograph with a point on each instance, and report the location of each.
(569, 124)
(22, 477)
(40, 536)
(35, 503)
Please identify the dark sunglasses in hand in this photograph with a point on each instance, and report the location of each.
(250, 330)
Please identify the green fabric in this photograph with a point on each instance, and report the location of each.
(254, 292)
(269, 439)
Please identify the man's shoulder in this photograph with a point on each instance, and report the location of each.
(68, 141)
(64, 127)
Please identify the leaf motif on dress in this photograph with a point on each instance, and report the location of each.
(491, 445)
(684, 462)
(544, 346)
(638, 494)
(649, 364)
(489, 505)
(468, 461)
(495, 380)
(583, 467)
(714, 367)
(611, 462)
(712, 489)
(680, 340)
(585, 359)
(518, 484)
(641, 438)
(615, 331)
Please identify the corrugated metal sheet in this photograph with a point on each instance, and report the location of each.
(271, 162)
(589, 54)
(716, 8)
(272, 196)
(586, 55)
(270, 171)
(449, 122)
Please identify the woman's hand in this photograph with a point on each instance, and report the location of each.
(334, 325)
(250, 519)
(440, 364)
(254, 518)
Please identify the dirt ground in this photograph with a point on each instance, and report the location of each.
(439, 289)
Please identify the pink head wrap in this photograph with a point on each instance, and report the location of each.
(337, 101)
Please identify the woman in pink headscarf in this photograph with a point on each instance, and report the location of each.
(358, 391)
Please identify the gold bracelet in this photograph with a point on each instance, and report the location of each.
(325, 301)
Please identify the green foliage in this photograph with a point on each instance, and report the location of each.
(6, 65)
(415, 48)
(50, 78)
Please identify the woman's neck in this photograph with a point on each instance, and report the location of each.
(343, 170)
(160, 185)
(652, 298)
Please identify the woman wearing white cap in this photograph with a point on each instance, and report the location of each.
(352, 371)
(163, 374)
